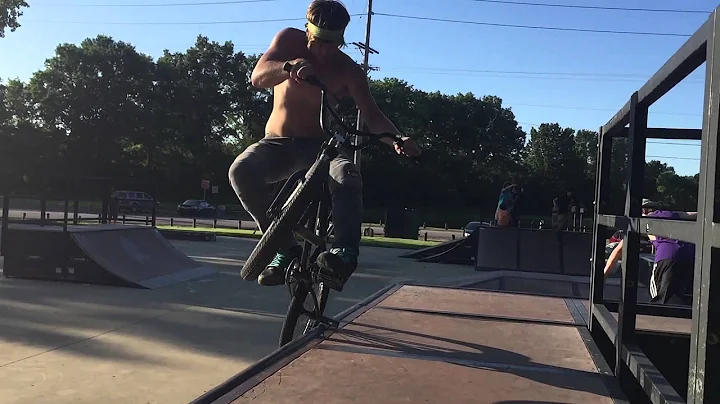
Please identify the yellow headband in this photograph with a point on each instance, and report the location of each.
(326, 34)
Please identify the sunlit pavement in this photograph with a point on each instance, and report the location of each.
(73, 343)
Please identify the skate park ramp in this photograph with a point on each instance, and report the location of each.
(116, 255)
(140, 256)
(461, 251)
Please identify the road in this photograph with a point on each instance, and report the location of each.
(31, 214)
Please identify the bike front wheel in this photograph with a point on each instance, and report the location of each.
(272, 239)
(302, 315)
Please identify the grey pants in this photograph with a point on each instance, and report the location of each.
(274, 159)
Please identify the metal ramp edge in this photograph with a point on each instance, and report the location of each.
(239, 384)
(233, 388)
(435, 249)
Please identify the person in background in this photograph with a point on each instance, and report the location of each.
(113, 207)
(671, 279)
(562, 207)
(505, 214)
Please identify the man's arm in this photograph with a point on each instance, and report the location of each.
(372, 116)
(268, 71)
(613, 258)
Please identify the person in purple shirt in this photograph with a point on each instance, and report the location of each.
(671, 280)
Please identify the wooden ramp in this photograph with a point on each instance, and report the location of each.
(420, 344)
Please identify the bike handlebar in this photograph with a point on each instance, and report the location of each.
(313, 80)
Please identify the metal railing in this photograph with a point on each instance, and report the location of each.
(632, 365)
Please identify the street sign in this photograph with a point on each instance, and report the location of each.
(215, 189)
(205, 184)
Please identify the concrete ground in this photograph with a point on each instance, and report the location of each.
(74, 343)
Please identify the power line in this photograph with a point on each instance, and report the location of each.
(523, 72)
(672, 158)
(177, 23)
(531, 75)
(673, 143)
(599, 109)
(655, 10)
(379, 14)
(202, 3)
(600, 31)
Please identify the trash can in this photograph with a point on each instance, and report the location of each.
(402, 223)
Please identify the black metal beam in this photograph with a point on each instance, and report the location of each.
(631, 239)
(606, 320)
(602, 192)
(5, 223)
(664, 133)
(652, 381)
(659, 310)
(705, 332)
(613, 221)
(684, 230)
(690, 55)
(631, 362)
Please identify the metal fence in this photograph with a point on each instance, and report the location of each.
(624, 346)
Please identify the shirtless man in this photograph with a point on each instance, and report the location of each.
(293, 135)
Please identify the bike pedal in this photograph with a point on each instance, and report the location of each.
(330, 279)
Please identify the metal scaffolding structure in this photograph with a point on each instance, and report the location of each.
(650, 366)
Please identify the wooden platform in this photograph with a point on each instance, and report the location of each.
(416, 344)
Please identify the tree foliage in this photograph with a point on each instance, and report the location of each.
(101, 108)
(10, 11)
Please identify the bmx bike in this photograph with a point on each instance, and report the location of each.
(302, 207)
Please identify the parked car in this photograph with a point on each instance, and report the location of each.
(471, 226)
(195, 207)
(134, 201)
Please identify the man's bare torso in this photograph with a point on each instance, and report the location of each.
(296, 106)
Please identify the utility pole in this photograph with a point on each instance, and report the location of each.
(366, 69)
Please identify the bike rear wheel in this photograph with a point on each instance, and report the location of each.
(301, 315)
(272, 239)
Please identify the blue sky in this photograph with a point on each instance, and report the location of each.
(430, 55)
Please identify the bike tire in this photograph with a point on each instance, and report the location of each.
(292, 317)
(270, 242)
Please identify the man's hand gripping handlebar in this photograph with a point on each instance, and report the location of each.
(311, 79)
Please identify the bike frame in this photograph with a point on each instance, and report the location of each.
(314, 225)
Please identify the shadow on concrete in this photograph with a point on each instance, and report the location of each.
(480, 357)
(219, 316)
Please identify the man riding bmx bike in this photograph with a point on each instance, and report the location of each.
(293, 135)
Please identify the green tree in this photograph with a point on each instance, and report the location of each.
(677, 192)
(654, 169)
(97, 94)
(554, 162)
(10, 12)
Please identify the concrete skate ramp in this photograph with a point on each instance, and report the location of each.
(139, 256)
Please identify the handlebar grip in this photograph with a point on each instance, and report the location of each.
(309, 79)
